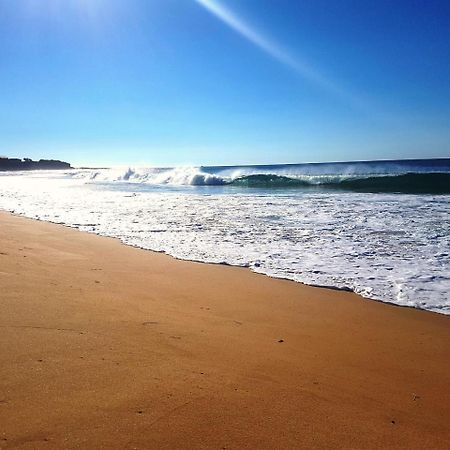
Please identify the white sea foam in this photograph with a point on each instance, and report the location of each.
(181, 176)
(389, 247)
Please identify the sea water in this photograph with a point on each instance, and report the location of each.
(380, 229)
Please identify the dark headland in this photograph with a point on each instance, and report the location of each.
(7, 164)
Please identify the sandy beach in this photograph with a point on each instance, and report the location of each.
(104, 346)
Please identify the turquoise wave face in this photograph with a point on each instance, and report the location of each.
(425, 183)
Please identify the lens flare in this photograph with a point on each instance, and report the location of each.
(272, 49)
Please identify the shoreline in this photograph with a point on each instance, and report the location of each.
(224, 264)
(105, 345)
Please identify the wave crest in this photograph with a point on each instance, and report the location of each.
(430, 183)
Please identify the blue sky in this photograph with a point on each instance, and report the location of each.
(168, 82)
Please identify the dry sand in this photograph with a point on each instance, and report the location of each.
(104, 346)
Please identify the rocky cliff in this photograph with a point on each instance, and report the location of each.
(28, 164)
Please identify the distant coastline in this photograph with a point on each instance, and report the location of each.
(16, 164)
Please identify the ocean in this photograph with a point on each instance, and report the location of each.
(378, 228)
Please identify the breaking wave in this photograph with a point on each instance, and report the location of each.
(388, 177)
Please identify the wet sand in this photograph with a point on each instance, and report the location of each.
(104, 346)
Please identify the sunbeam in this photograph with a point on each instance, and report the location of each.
(271, 48)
